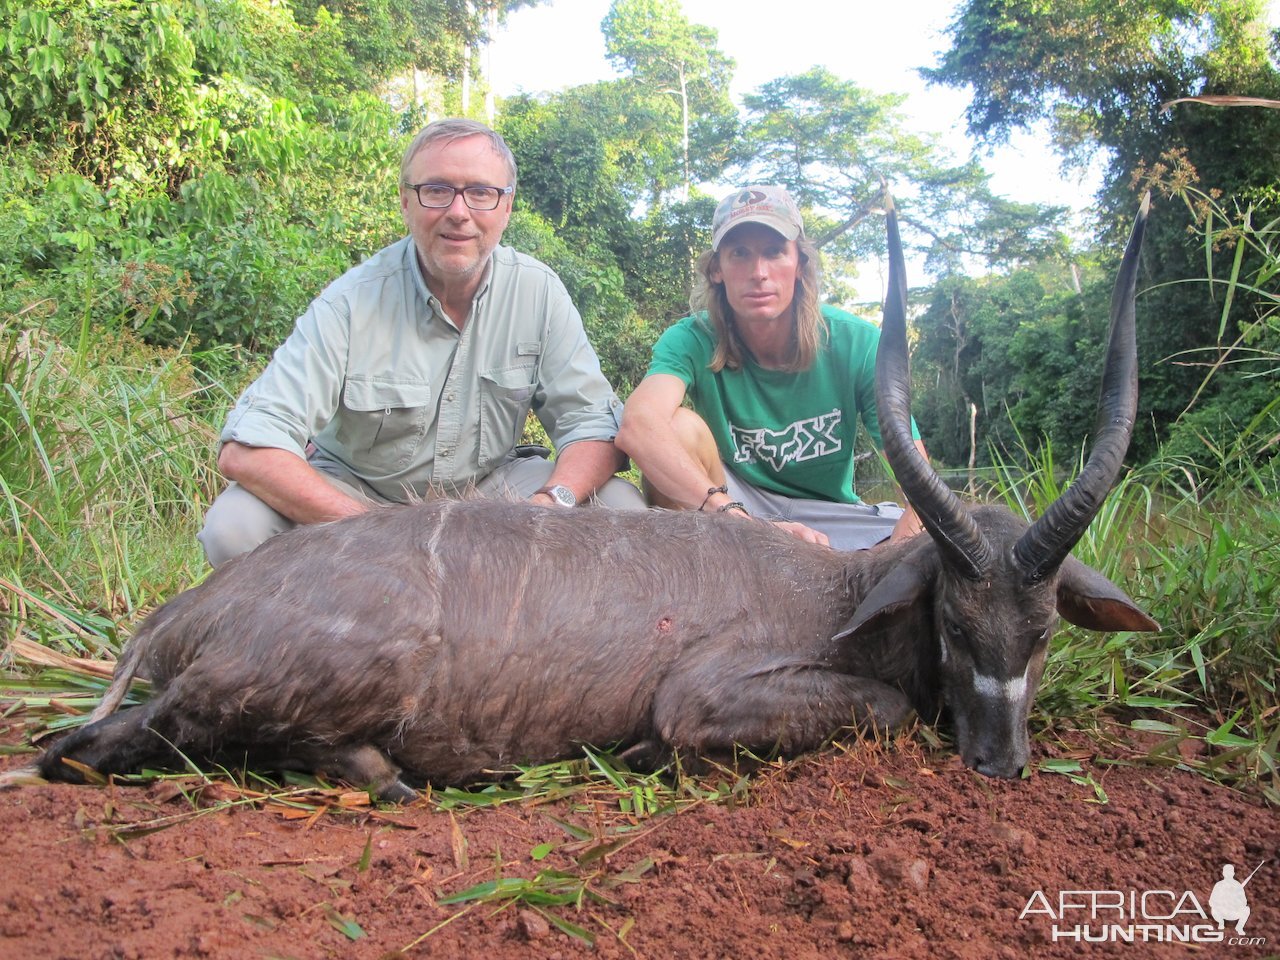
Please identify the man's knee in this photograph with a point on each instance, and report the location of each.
(516, 479)
(236, 523)
(620, 495)
(695, 436)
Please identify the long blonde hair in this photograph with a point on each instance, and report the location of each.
(810, 331)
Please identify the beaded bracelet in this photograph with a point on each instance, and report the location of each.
(731, 505)
(711, 493)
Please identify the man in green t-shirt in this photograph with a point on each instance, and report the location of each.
(777, 381)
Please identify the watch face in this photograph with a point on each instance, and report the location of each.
(563, 496)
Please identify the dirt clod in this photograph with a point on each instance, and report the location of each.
(532, 926)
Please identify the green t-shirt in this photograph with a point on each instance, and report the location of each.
(792, 433)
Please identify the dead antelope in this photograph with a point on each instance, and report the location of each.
(446, 640)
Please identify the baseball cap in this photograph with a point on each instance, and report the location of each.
(769, 205)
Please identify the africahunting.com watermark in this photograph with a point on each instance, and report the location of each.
(1148, 916)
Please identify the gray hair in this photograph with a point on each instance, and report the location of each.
(457, 128)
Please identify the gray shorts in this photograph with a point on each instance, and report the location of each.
(849, 526)
(237, 521)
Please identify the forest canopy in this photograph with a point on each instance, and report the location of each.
(197, 171)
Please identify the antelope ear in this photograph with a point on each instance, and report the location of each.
(1088, 599)
(906, 586)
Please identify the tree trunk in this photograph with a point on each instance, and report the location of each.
(973, 446)
(490, 109)
(684, 113)
(467, 50)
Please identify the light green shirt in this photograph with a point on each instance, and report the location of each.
(382, 381)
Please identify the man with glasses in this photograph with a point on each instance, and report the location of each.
(413, 373)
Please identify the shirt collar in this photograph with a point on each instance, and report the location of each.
(420, 282)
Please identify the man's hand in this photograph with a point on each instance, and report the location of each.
(801, 532)
(286, 483)
(797, 530)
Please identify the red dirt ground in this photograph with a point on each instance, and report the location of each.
(862, 851)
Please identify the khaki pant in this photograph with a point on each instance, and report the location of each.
(237, 522)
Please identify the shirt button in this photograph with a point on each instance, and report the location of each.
(449, 398)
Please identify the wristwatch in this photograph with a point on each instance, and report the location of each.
(561, 494)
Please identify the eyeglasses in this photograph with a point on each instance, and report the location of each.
(434, 196)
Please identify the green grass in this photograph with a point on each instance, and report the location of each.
(1201, 558)
(106, 446)
(105, 470)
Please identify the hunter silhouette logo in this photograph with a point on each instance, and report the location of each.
(1148, 916)
(799, 441)
(1228, 901)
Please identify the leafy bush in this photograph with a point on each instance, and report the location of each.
(125, 152)
(620, 337)
(1026, 349)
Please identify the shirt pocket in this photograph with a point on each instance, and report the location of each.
(384, 422)
(506, 394)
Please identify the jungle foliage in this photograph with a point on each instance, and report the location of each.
(1103, 77)
(197, 171)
